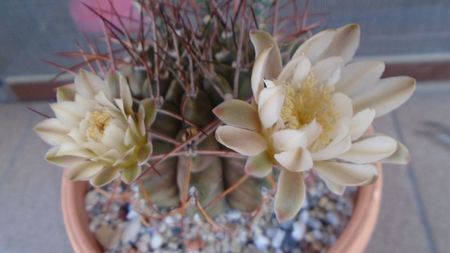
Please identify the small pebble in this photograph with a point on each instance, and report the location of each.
(131, 231)
(304, 216)
(314, 223)
(173, 245)
(332, 218)
(156, 241)
(299, 231)
(278, 239)
(320, 221)
(108, 235)
(270, 232)
(131, 215)
(286, 225)
(233, 215)
(143, 244)
(261, 242)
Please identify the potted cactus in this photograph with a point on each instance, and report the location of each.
(193, 122)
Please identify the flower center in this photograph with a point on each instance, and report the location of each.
(310, 101)
(98, 121)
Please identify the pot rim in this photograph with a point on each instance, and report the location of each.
(354, 238)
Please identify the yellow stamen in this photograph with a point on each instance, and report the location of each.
(98, 121)
(310, 101)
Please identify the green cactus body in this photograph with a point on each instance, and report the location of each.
(209, 175)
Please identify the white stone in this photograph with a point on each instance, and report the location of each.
(261, 242)
(332, 218)
(91, 199)
(108, 236)
(233, 215)
(169, 220)
(270, 232)
(299, 231)
(278, 239)
(143, 243)
(131, 215)
(304, 216)
(156, 241)
(131, 231)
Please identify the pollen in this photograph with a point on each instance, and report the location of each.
(310, 101)
(98, 121)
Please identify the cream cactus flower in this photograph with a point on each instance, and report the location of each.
(96, 134)
(313, 114)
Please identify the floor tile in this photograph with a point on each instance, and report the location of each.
(31, 219)
(430, 159)
(399, 228)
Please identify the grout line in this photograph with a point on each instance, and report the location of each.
(431, 243)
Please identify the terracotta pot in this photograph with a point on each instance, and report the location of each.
(353, 239)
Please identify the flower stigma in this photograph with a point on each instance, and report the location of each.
(310, 101)
(98, 121)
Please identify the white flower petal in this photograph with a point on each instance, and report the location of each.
(302, 69)
(345, 42)
(313, 131)
(63, 161)
(144, 153)
(269, 83)
(370, 149)
(52, 131)
(85, 170)
(105, 176)
(87, 84)
(357, 77)
(110, 156)
(288, 139)
(295, 160)
(243, 141)
(111, 89)
(69, 113)
(120, 105)
(131, 173)
(85, 104)
(314, 47)
(103, 100)
(238, 113)
(114, 137)
(341, 129)
(129, 138)
(268, 93)
(72, 149)
(346, 174)
(269, 105)
(262, 40)
(296, 70)
(65, 93)
(259, 166)
(258, 72)
(400, 156)
(334, 78)
(125, 94)
(342, 104)
(334, 149)
(335, 188)
(361, 122)
(149, 108)
(291, 193)
(135, 129)
(325, 70)
(389, 94)
(95, 147)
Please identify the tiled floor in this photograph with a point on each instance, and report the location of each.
(414, 216)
